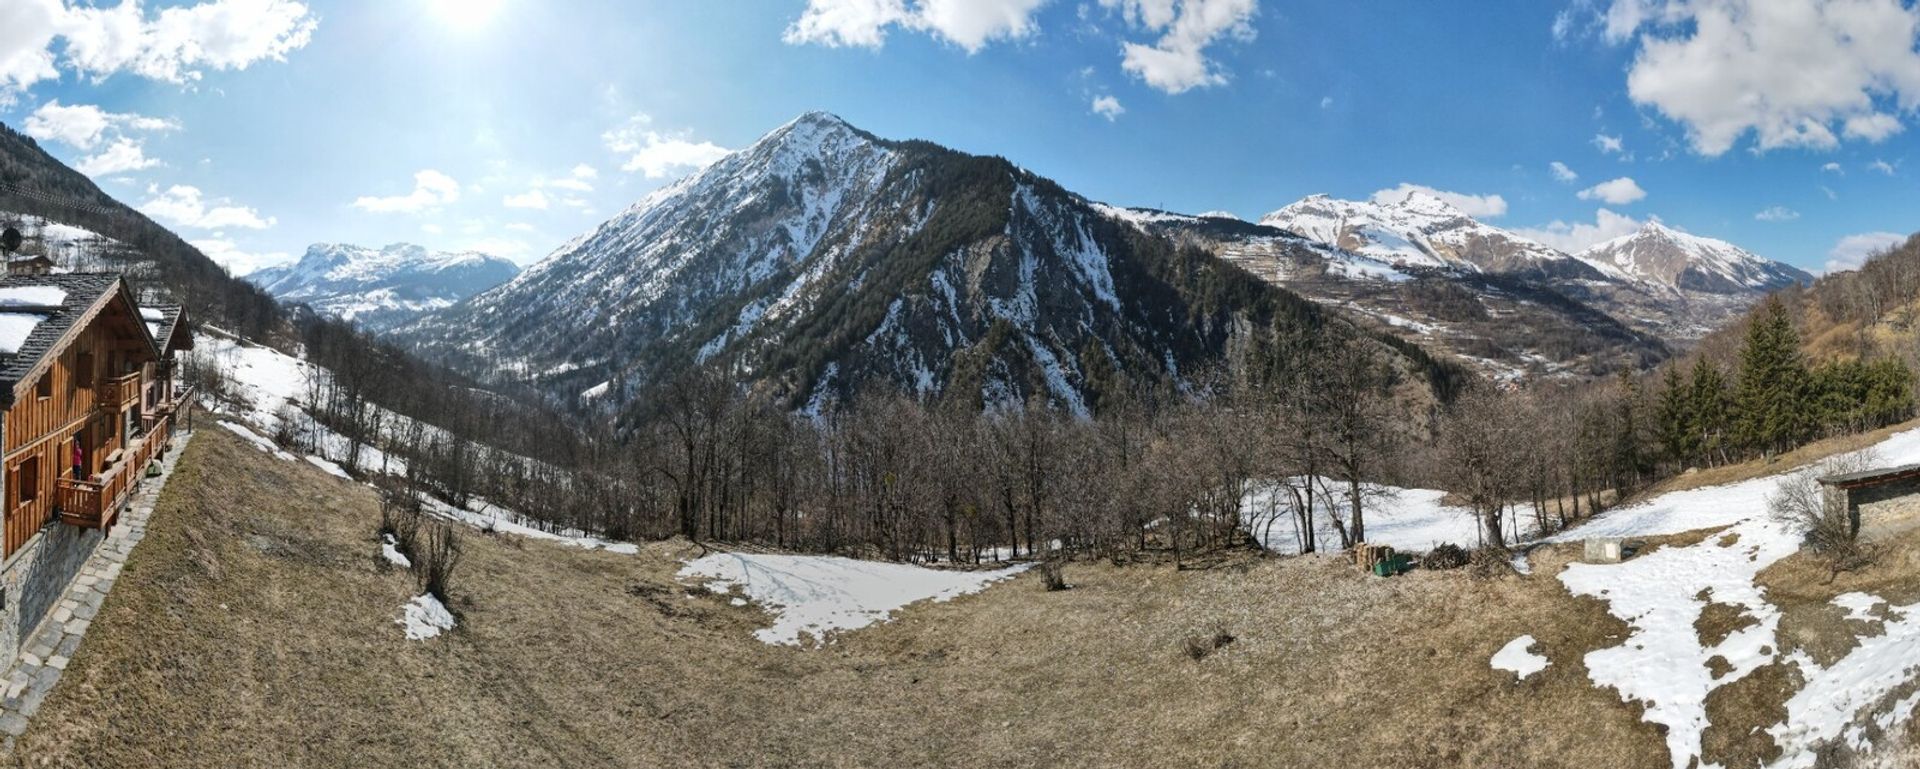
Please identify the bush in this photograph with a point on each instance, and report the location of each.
(439, 554)
(1445, 556)
(1052, 576)
(400, 518)
(1798, 502)
(1198, 647)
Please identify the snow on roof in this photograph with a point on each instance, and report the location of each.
(32, 296)
(15, 327)
(150, 313)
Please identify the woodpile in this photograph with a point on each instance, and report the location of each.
(1366, 556)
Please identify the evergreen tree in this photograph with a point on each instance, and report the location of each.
(1771, 400)
(1674, 419)
(1711, 409)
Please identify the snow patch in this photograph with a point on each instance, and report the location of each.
(424, 617)
(1517, 658)
(392, 553)
(817, 595)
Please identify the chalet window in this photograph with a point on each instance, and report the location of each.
(26, 479)
(83, 370)
(44, 387)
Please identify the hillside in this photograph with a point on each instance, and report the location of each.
(824, 261)
(1505, 325)
(378, 289)
(34, 183)
(256, 625)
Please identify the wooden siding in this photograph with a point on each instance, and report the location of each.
(45, 429)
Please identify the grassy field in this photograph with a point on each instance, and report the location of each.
(255, 627)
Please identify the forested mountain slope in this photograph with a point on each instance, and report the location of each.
(824, 261)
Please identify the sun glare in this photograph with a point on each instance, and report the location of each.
(464, 14)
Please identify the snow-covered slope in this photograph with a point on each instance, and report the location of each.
(1668, 258)
(1420, 230)
(823, 260)
(381, 288)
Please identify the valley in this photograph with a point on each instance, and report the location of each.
(849, 383)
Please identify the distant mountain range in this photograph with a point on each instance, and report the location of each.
(822, 261)
(382, 288)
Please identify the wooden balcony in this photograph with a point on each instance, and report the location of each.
(173, 407)
(95, 502)
(118, 393)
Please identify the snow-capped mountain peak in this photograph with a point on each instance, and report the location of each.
(379, 288)
(1415, 229)
(1671, 258)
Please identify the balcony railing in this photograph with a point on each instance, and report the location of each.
(119, 392)
(95, 502)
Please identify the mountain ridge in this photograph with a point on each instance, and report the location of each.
(381, 288)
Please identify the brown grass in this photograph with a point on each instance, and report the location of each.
(254, 627)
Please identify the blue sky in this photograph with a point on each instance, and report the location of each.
(258, 127)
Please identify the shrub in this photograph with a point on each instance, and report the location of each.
(400, 518)
(1198, 647)
(1052, 576)
(1445, 556)
(439, 554)
(1798, 502)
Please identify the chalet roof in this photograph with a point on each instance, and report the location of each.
(40, 313)
(167, 323)
(1872, 477)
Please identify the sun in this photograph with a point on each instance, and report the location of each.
(464, 14)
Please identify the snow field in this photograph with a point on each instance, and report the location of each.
(811, 597)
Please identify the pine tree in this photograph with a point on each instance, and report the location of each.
(1712, 405)
(1674, 419)
(1771, 399)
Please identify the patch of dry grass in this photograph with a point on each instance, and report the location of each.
(254, 627)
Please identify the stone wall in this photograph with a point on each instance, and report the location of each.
(38, 576)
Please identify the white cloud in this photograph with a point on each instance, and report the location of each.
(580, 179)
(1882, 166)
(25, 58)
(431, 189)
(121, 156)
(970, 24)
(1326, 102)
(520, 227)
(659, 155)
(239, 261)
(1618, 192)
(1574, 237)
(1561, 173)
(176, 44)
(1831, 195)
(1873, 127)
(1609, 145)
(1177, 62)
(1777, 214)
(182, 206)
(1786, 71)
(84, 126)
(534, 199)
(1833, 168)
(1480, 206)
(1854, 250)
(1108, 107)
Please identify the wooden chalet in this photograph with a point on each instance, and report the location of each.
(85, 374)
